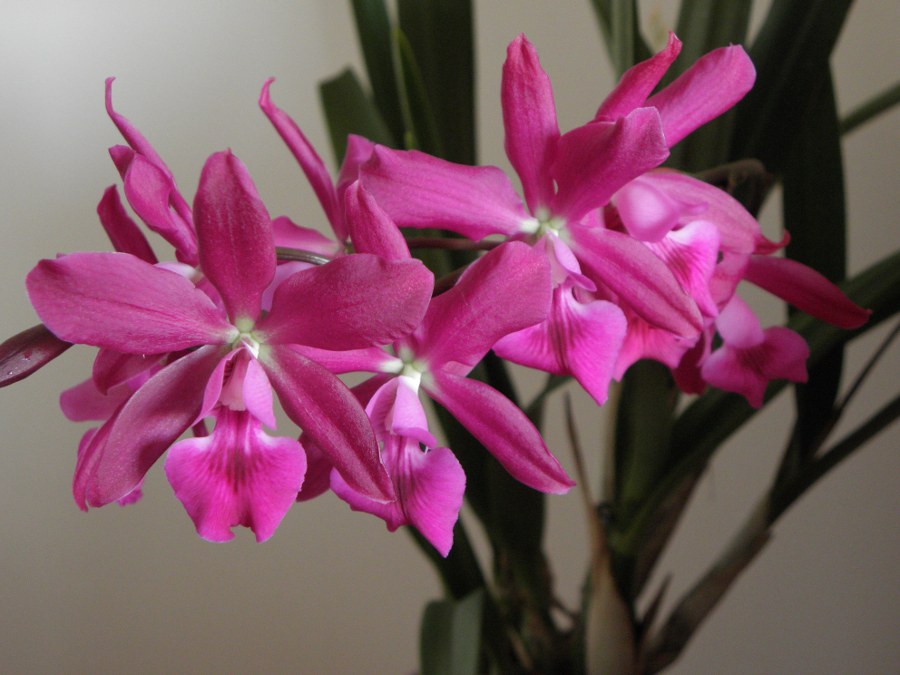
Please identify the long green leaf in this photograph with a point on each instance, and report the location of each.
(440, 35)
(373, 29)
(348, 110)
(704, 25)
(620, 26)
(450, 641)
(871, 109)
(418, 114)
(791, 56)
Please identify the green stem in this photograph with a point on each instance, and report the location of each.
(871, 108)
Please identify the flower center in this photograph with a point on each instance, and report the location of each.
(543, 223)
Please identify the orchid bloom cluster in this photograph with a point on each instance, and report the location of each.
(606, 260)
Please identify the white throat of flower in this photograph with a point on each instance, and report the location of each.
(543, 223)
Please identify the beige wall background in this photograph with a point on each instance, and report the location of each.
(134, 589)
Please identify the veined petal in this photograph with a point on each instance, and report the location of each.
(151, 420)
(112, 367)
(395, 410)
(327, 411)
(595, 160)
(85, 402)
(371, 229)
(529, 120)
(805, 289)
(503, 429)
(418, 190)
(712, 85)
(638, 81)
(578, 339)
(369, 359)
(287, 233)
(132, 136)
(118, 301)
(307, 157)
(358, 152)
(238, 475)
(352, 302)
(504, 291)
(318, 471)
(237, 247)
(122, 231)
(639, 278)
(643, 341)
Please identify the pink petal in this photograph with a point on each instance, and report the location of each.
(28, 351)
(84, 402)
(303, 151)
(529, 119)
(638, 81)
(395, 410)
(318, 471)
(352, 302)
(781, 355)
(371, 229)
(805, 289)
(738, 325)
(597, 159)
(237, 248)
(418, 190)
(503, 429)
(122, 231)
(370, 359)
(118, 301)
(323, 407)
(128, 444)
(504, 291)
(643, 341)
(578, 339)
(647, 212)
(708, 88)
(641, 279)
(358, 152)
(691, 253)
(238, 475)
(290, 235)
(132, 136)
(112, 368)
(431, 483)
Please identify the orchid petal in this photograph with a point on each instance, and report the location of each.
(738, 325)
(418, 190)
(132, 136)
(257, 393)
(640, 278)
(578, 339)
(805, 289)
(84, 402)
(595, 160)
(307, 157)
(638, 81)
(237, 248)
(290, 235)
(529, 119)
(371, 229)
(691, 253)
(323, 407)
(712, 85)
(647, 212)
(369, 359)
(502, 428)
(395, 410)
(318, 471)
(239, 475)
(122, 231)
(283, 272)
(117, 301)
(112, 368)
(355, 301)
(151, 420)
(504, 291)
(643, 341)
(747, 371)
(27, 352)
(358, 152)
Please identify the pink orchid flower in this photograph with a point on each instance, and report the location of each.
(122, 303)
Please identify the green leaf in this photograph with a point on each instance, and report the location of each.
(791, 56)
(460, 572)
(814, 214)
(620, 25)
(373, 28)
(871, 109)
(450, 640)
(418, 115)
(440, 39)
(348, 110)
(704, 25)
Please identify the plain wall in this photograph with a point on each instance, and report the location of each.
(134, 589)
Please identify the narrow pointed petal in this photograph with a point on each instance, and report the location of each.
(28, 351)
(323, 407)
(355, 301)
(237, 247)
(504, 291)
(704, 91)
(805, 289)
(117, 301)
(257, 394)
(307, 157)
(112, 367)
(122, 231)
(747, 371)
(238, 475)
(529, 120)
(595, 160)
(638, 82)
(151, 420)
(84, 402)
(368, 360)
(418, 190)
(503, 429)
(132, 136)
(358, 152)
(371, 229)
(691, 253)
(578, 339)
(640, 278)
(290, 235)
